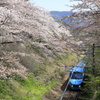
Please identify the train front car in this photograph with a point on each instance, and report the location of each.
(76, 76)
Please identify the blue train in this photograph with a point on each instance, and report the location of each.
(76, 76)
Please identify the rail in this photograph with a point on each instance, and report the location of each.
(65, 90)
(66, 87)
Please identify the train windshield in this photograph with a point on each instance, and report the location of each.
(77, 75)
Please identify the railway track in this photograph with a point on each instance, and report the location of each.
(60, 92)
(71, 95)
(76, 75)
(67, 94)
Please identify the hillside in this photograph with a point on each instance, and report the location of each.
(60, 14)
(31, 44)
(27, 30)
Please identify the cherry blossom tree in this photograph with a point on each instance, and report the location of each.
(86, 19)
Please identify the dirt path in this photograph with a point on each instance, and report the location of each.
(57, 91)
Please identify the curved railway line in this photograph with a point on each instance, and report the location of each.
(69, 94)
(60, 92)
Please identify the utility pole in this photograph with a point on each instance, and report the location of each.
(93, 69)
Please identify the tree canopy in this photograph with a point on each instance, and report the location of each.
(86, 19)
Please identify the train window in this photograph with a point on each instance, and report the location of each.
(77, 75)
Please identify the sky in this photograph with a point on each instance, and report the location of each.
(54, 5)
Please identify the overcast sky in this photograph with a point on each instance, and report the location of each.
(54, 5)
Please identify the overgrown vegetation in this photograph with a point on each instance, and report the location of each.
(19, 88)
(43, 77)
(91, 90)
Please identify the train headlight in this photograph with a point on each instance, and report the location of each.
(79, 86)
(71, 85)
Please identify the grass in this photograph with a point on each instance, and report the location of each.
(18, 88)
(68, 59)
(23, 89)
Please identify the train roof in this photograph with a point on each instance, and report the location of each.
(81, 63)
(77, 69)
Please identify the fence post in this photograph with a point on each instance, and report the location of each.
(93, 54)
